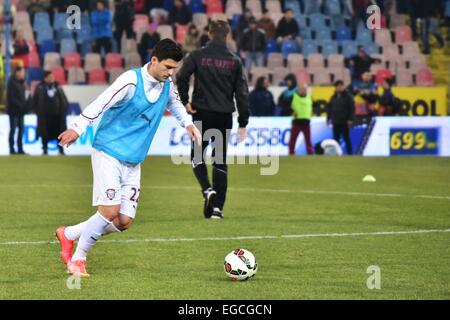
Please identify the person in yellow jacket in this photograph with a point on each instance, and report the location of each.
(302, 105)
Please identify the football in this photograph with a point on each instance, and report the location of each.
(240, 264)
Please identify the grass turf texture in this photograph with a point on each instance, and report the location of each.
(37, 194)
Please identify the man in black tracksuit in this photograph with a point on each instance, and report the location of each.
(341, 110)
(218, 80)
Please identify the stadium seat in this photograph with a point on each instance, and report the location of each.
(132, 60)
(114, 73)
(396, 20)
(278, 75)
(415, 63)
(113, 60)
(303, 76)
(200, 20)
(41, 20)
(86, 47)
(92, 61)
(165, 31)
(83, 34)
(71, 60)
(332, 7)
(329, 47)
(64, 33)
(305, 33)
(59, 74)
(410, 49)
(322, 34)
(44, 33)
(214, 6)
(343, 34)
(371, 48)
(51, 60)
(233, 9)
(404, 78)
(364, 36)
(33, 60)
(76, 76)
(67, 46)
(382, 75)
(21, 19)
(424, 77)
(335, 61)
(349, 48)
(288, 47)
(255, 7)
(167, 5)
(337, 21)
(317, 21)
(273, 6)
(383, 37)
(275, 60)
(295, 61)
(257, 72)
(390, 50)
(46, 46)
(96, 76)
(34, 74)
(309, 47)
(180, 33)
(272, 46)
(28, 33)
(336, 73)
(311, 7)
(196, 6)
(128, 45)
(59, 20)
(294, 5)
(321, 76)
(315, 61)
(301, 21)
(403, 34)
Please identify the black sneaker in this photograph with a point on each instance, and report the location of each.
(217, 214)
(210, 196)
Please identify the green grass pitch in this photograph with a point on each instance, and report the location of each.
(316, 195)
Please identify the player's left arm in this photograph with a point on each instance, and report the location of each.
(177, 109)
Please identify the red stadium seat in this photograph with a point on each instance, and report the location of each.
(113, 60)
(303, 76)
(214, 6)
(382, 75)
(59, 74)
(424, 77)
(71, 60)
(97, 76)
(403, 34)
(180, 33)
(33, 60)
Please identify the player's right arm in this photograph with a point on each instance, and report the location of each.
(122, 89)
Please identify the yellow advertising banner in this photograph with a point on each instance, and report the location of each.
(416, 101)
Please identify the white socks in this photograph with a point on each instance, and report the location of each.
(74, 232)
(91, 232)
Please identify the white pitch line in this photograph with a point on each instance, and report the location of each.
(286, 236)
(341, 193)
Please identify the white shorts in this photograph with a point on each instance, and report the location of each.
(115, 182)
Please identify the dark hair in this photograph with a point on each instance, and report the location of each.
(46, 74)
(167, 49)
(18, 69)
(260, 83)
(338, 83)
(219, 30)
(287, 10)
(292, 78)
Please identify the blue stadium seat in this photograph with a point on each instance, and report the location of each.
(323, 34)
(196, 6)
(343, 34)
(46, 46)
(83, 34)
(311, 6)
(85, 20)
(64, 33)
(287, 47)
(329, 47)
(305, 33)
(301, 21)
(317, 21)
(309, 47)
(41, 19)
(272, 46)
(364, 35)
(332, 7)
(294, 5)
(67, 46)
(371, 47)
(234, 21)
(86, 47)
(167, 5)
(34, 74)
(59, 20)
(349, 48)
(44, 33)
(338, 21)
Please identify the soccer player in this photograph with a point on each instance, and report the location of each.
(130, 110)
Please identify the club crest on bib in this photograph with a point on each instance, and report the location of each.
(111, 194)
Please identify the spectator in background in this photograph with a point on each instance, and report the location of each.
(357, 9)
(204, 38)
(261, 102)
(140, 6)
(389, 104)
(366, 95)
(253, 44)
(341, 109)
(180, 13)
(192, 40)
(50, 104)
(287, 28)
(243, 24)
(266, 23)
(429, 11)
(301, 105)
(16, 105)
(60, 5)
(20, 50)
(123, 20)
(149, 39)
(34, 7)
(361, 63)
(101, 28)
(285, 99)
